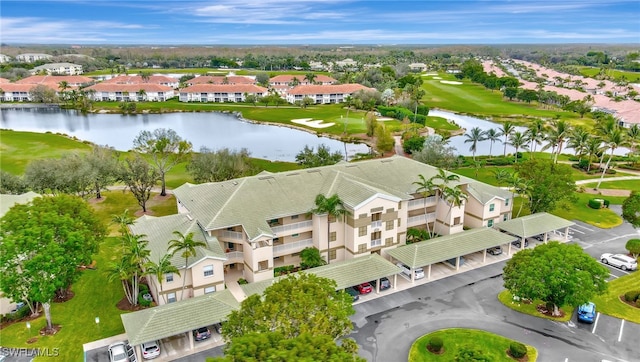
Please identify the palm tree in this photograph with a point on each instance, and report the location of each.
(518, 185)
(578, 139)
(333, 207)
(535, 134)
(507, 129)
(492, 135)
(141, 93)
(556, 135)
(159, 270)
(592, 149)
(454, 196)
(474, 136)
(442, 186)
(310, 77)
(616, 138)
(633, 134)
(122, 271)
(185, 245)
(501, 175)
(518, 140)
(427, 188)
(137, 255)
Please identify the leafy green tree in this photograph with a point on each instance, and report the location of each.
(140, 178)
(371, 123)
(221, 165)
(43, 94)
(166, 148)
(251, 98)
(510, 92)
(11, 184)
(549, 183)
(413, 144)
(310, 258)
(262, 78)
(308, 157)
(274, 347)
(631, 209)
(384, 140)
(43, 244)
(331, 206)
(633, 246)
(558, 274)
(104, 167)
(159, 269)
(186, 246)
(436, 152)
(294, 305)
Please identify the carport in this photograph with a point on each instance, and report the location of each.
(176, 318)
(446, 247)
(346, 273)
(534, 224)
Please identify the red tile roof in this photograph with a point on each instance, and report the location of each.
(131, 88)
(219, 79)
(16, 87)
(4, 80)
(288, 78)
(328, 89)
(224, 88)
(136, 79)
(71, 79)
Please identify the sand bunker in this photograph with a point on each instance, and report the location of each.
(450, 82)
(437, 77)
(429, 74)
(310, 122)
(384, 119)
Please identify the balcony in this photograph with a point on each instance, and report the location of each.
(234, 257)
(376, 242)
(420, 219)
(290, 248)
(234, 235)
(431, 200)
(376, 224)
(287, 229)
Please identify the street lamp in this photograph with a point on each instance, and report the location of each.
(97, 319)
(29, 328)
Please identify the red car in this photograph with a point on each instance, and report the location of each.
(364, 288)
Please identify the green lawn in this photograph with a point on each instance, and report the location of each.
(616, 74)
(506, 298)
(493, 346)
(579, 210)
(632, 185)
(610, 303)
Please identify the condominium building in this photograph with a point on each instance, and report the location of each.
(254, 224)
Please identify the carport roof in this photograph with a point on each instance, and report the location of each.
(346, 273)
(535, 224)
(174, 318)
(449, 246)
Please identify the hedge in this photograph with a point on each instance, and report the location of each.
(400, 113)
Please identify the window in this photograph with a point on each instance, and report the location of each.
(506, 202)
(456, 220)
(362, 231)
(294, 217)
(388, 241)
(362, 248)
(504, 218)
(332, 254)
(389, 225)
(332, 218)
(207, 270)
(490, 223)
(399, 222)
(376, 217)
(209, 290)
(295, 235)
(332, 236)
(263, 265)
(168, 278)
(171, 298)
(492, 207)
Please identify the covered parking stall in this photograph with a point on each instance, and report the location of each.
(533, 225)
(182, 317)
(346, 273)
(432, 251)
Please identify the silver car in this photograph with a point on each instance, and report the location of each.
(621, 261)
(118, 352)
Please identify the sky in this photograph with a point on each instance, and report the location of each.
(260, 22)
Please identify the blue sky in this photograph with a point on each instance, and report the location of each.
(319, 22)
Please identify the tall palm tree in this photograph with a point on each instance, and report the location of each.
(123, 221)
(185, 245)
(592, 149)
(331, 206)
(441, 180)
(518, 185)
(474, 136)
(578, 139)
(518, 141)
(501, 175)
(506, 130)
(616, 138)
(310, 77)
(137, 254)
(559, 131)
(121, 270)
(427, 188)
(159, 269)
(535, 134)
(492, 135)
(454, 196)
(141, 93)
(633, 135)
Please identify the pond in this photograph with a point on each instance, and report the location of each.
(213, 130)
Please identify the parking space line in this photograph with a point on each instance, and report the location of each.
(580, 226)
(576, 230)
(595, 324)
(621, 328)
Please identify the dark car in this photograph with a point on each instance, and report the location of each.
(587, 312)
(201, 334)
(517, 243)
(364, 288)
(495, 251)
(453, 261)
(384, 283)
(353, 293)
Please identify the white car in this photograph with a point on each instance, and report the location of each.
(118, 352)
(150, 350)
(621, 261)
(418, 272)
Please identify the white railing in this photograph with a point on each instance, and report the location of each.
(376, 224)
(376, 242)
(236, 235)
(420, 219)
(289, 248)
(422, 202)
(235, 256)
(285, 229)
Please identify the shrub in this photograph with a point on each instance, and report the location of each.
(143, 288)
(242, 281)
(283, 270)
(607, 203)
(632, 296)
(595, 203)
(517, 350)
(143, 302)
(435, 344)
(471, 354)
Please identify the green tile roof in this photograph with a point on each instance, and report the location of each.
(174, 318)
(346, 273)
(252, 201)
(534, 224)
(159, 231)
(449, 246)
(8, 201)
